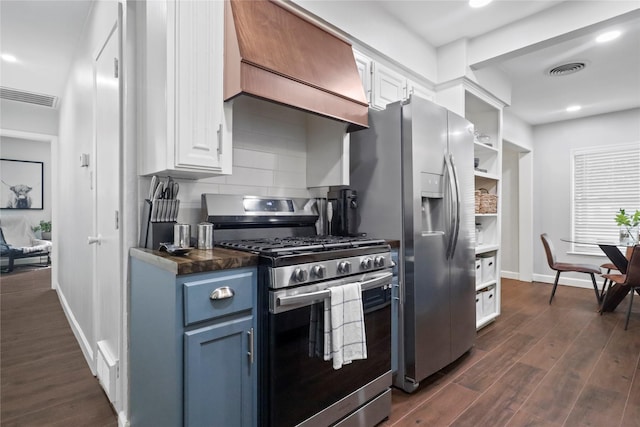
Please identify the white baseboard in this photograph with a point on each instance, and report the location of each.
(510, 275)
(77, 330)
(122, 420)
(566, 281)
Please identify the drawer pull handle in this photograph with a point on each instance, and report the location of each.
(222, 293)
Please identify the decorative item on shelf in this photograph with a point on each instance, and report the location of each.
(485, 202)
(482, 138)
(629, 226)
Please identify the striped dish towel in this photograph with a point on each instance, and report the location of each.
(320, 330)
(347, 332)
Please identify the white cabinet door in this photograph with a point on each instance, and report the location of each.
(187, 126)
(198, 51)
(388, 86)
(363, 63)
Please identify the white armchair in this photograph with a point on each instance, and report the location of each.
(17, 241)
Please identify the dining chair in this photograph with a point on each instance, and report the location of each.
(631, 279)
(620, 263)
(609, 266)
(561, 267)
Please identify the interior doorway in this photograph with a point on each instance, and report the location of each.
(517, 218)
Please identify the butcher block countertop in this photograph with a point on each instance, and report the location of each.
(197, 260)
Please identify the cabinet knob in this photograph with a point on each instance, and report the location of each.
(222, 293)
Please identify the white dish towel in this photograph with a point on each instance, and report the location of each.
(348, 338)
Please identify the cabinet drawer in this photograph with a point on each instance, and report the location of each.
(199, 306)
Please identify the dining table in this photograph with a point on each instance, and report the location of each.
(612, 249)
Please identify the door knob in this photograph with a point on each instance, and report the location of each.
(94, 239)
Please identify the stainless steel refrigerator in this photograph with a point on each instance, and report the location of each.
(413, 170)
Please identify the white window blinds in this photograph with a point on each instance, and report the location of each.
(604, 180)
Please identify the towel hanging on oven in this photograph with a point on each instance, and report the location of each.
(336, 328)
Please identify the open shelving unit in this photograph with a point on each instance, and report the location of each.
(486, 117)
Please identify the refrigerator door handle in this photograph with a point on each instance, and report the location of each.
(457, 207)
(451, 178)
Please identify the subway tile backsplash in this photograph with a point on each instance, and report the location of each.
(269, 157)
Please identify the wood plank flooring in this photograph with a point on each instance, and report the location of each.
(537, 365)
(44, 378)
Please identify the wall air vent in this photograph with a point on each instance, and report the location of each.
(564, 69)
(28, 97)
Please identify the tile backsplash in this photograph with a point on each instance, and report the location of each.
(269, 157)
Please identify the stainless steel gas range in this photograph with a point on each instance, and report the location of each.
(297, 270)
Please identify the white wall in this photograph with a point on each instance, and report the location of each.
(552, 181)
(510, 236)
(28, 117)
(36, 151)
(516, 131)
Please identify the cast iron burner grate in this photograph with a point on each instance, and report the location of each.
(275, 246)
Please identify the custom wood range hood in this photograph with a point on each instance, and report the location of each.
(273, 53)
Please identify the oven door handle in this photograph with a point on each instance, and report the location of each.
(376, 282)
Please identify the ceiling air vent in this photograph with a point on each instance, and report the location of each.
(564, 69)
(28, 97)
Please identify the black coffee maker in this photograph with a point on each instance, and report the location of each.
(343, 203)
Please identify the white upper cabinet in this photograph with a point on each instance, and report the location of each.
(388, 86)
(187, 127)
(384, 85)
(363, 64)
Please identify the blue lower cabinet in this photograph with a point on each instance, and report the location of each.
(218, 375)
(191, 348)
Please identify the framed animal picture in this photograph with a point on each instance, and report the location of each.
(22, 184)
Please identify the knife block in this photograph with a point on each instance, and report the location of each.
(153, 233)
(159, 232)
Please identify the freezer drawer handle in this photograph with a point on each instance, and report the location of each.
(222, 293)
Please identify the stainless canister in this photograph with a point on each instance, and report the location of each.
(205, 235)
(182, 235)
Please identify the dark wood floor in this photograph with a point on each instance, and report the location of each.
(537, 365)
(44, 378)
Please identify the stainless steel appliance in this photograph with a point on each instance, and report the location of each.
(344, 204)
(296, 270)
(413, 170)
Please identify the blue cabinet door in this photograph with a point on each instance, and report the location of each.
(218, 372)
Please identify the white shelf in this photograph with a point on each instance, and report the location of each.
(480, 148)
(486, 248)
(486, 320)
(486, 175)
(486, 284)
(486, 215)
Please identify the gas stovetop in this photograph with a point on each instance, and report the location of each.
(294, 251)
(282, 246)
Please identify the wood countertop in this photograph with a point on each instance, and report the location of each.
(197, 260)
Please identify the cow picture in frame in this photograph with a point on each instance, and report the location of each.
(22, 184)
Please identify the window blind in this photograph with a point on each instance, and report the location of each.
(604, 180)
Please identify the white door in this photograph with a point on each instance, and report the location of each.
(107, 286)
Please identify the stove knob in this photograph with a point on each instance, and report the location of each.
(299, 275)
(318, 271)
(379, 261)
(344, 267)
(366, 263)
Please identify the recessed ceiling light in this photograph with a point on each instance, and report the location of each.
(606, 37)
(573, 108)
(8, 57)
(479, 3)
